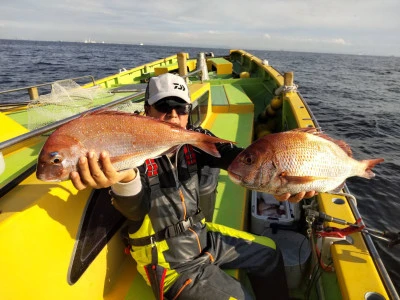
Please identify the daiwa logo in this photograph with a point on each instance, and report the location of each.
(179, 87)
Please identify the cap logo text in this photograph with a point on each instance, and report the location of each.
(179, 87)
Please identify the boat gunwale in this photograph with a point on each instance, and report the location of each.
(36, 132)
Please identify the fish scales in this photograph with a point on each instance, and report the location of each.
(316, 157)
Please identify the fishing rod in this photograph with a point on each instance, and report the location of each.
(392, 238)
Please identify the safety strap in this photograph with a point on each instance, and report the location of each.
(168, 232)
(152, 172)
(190, 156)
(152, 167)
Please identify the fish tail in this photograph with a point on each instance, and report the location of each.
(368, 165)
(208, 148)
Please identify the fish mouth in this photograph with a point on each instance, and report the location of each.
(52, 180)
(47, 179)
(235, 178)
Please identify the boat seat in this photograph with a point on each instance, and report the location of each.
(174, 68)
(165, 69)
(230, 98)
(221, 65)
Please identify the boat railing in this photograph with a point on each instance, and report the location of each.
(33, 89)
(374, 252)
(196, 72)
(42, 130)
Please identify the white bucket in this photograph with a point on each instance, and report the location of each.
(296, 251)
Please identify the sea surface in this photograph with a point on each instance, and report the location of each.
(354, 98)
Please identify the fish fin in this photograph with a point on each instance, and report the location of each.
(370, 163)
(338, 189)
(208, 148)
(170, 150)
(299, 179)
(207, 144)
(342, 144)
(310, 130)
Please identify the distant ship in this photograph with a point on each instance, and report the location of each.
(89, 41)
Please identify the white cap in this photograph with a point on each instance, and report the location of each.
(167, 85)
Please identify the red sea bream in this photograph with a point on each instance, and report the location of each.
(296, 161)
(130, 139)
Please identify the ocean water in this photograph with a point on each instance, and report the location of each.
(354, 98)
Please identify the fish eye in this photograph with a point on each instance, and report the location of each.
(56, 158)
(248, 159)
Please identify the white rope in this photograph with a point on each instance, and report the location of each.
(290, 88)
(286, 89)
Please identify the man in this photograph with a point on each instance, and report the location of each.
(177, 253)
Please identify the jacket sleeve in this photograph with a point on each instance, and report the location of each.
(131, 199)
(228, 153)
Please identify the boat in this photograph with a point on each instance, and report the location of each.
(58, 243)
(89, 41)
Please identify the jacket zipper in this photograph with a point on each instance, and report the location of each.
(183, 203)
(187, 282)
(174, 169)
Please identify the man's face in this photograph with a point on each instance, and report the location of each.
(177, 115)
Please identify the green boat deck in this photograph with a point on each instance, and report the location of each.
(233, 114)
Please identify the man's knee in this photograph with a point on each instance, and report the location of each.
(270, 261)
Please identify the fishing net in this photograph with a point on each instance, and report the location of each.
(67, 98)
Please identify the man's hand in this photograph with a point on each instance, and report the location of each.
(295, 198)
(90, 174)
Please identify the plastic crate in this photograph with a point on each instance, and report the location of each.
(266, 210)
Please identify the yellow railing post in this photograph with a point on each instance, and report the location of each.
(182, 64)
(33, 93)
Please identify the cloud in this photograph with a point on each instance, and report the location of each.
(305, 25)
(313, 40)
(338, 41)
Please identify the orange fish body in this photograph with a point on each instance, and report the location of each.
(296, 161)
(130, 139)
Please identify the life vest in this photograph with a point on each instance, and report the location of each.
(154, 182)
(149, 245)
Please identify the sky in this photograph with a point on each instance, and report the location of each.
(368, 27)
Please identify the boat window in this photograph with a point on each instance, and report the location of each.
(199, 109)
(99, 223)
(195, 115)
